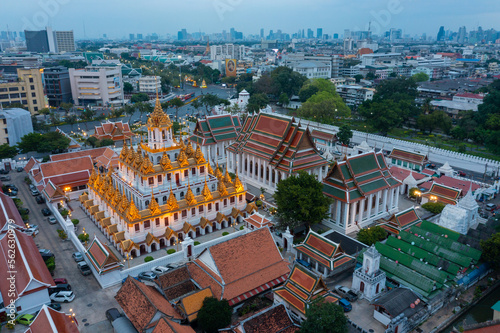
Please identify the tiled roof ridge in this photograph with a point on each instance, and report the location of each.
(210, 275)
(261, 269)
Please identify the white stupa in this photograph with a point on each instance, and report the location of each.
(462, 216)
(363, 147)
(410, 182)
(446, 170)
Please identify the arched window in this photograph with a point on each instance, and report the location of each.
(181, 195)
(164, 199)
(158, 159)
(146, 203)
(198, 191)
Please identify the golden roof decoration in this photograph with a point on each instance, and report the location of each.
(97, 182)
(206, 192)
(110, 193)
(190, 199)
(227, 178)
(210, 170)
(115, 200)
(165, 162)
(172, 201)
(147, 166)
(181, 143)
(133, 212)
(237, 183)
(189, 150)
(92, 178)
(153, 206)
(158, 118)
(138, 160)
(110, 173)
(218, 174)
(222, 188)
(182, 159)
(131, 156)
(198, 155)
(124, 152)
(104, 185)
(124, 204)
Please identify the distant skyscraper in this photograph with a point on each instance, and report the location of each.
(462, 34)
(38, 41)
(131, 36)
(440, 35)
(261, 33)
(335, 36)
(139, 36)
(310, 33)
(319, 33)
(182, 35)
(395, 34)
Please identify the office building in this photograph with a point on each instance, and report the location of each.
(310, 33)
(354, 95)
(131, 36)
(26, 90)
(334, 63)
(92, 85)
(45, 41)
(57, 85)
(65, 41)
(139, 36)
(182, 35)
(150, 84)
(38, 41)
(441, 34)
(261, 33)
(14, 124)
(227, 51)
(335, 36)
(319, 33)
(395, 34)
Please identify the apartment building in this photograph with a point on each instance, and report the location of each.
(26, 90)
(354, 95)
(334, 62)
(227, 51)
(150, 84)
(57, 85)
(65, 41)
(99, 86)
(312, 70)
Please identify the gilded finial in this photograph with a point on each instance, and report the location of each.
(206, 191)
(172, 201)
(198, 155)
(147, 166)
(190, 198)
(133, 212)
(222, 188)
(124, 204)
(153, 205)
(182, 159)
(165, 162)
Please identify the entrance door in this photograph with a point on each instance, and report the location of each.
(177, 180)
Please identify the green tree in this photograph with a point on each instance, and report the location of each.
(30, 142)
(66, 106)
(53, 142)
(51, 264)
(176, 103)
(324, 317)
(71, 120)
(129, 110)
(257, 102)
(128, 88)
(87, 115)
(420, 77)
(214, 314)
(433, 207)
(7, 151)
(370, 236)
(106, 142)
(370, 76)
(383, 116)
(44, 111)
(324, 107)
(93, 141)
(491, 250)
(137, 98)
(344, 134)
(300, 200)
(284, 100)
(307, 91)
(358, 77)
(285, 80)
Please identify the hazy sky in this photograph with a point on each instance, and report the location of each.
(118, 18)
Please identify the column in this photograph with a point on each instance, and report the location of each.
(258, 170)
(353, 214)
(275, 178)
(345, 217)
(386, 192)
(338, 211)
(377, 200)
(397, 200)
(361, 211)
(370, 198)
(391, 198)
(320, 177)
(253, 167)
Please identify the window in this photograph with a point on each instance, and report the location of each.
(33, 95)
(147, 225)
(32, 87)
(198, 191)
(202, 170)
(137, 227)
(209, 207)
(157, 221)
(160, 178)
(169, 176)
(184, 213)
(34, 101)
(231, 200)
(25, 101)
(165, 220)
(193, 211)
(200, 209)
(6, 131)
(164, 199)
(186, 173)
(216, 206)
(23, 95)
(31, 81)
(240, 198)
(181, 195)
(193, 171)
(11, 89)
(176, 216)
(4, 121)
(151, 180)
(35, 108)
(225, 202)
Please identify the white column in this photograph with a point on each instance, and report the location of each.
(391, 198)
(275, 178)
(258, 170)
(370, 198)
(397, 200)
(361, 210)
(338, 211)
(384, 208)
(253, 167)
(345, 218)
(353, 213)
(377, 200)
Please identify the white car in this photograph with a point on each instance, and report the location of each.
(159, 269)
(63, 296)
(32, 230)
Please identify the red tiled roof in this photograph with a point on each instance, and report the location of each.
(166, 325)
(63, 167)
(9, 212)
(408, 156)
(273, 319)
(323, 135)
(470, 95)
(258, 221)
(113, 130)
(49, 320)
(402, 173)
(459, 184)
(31, 163)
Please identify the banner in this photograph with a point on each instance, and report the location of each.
(230, 67)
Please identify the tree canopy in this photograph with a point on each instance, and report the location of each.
(420, 77)
(256, 102)
(491, 250)
(214, 314)
(7, 151)
(142, 97)
(43, 143)
(323, 317)
(370, 236)
(344, 134)
(300, 200)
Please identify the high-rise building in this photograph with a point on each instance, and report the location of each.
(101, 86)
(57, 85)
(335, 36)
(65, 41)
(44, 41)
(182, 35)
(139, 36)
(261, 33)
(319, 33)
(310, 33)
(462, 34)
(14, 124)
(395, 34)
(131, 36)
(440, 35)
(37, 41)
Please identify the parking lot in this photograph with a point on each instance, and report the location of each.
(91, 301)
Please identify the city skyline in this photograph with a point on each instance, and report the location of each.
(215, 16)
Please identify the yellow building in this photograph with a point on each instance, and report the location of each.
(28, 90)
(162, 192)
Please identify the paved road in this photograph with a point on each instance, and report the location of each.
(91, 301)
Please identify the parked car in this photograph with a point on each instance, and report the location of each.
(3, 172)
(159, 269)
(25, 319)
(60, 287)
(461, 173)
(60, 281)
(490, 207)
(32, 230)
(32, 187)
(51, 220)
(46, 254)
(35, 192)
(55, 306)
(84, 268)
(5, 178)
(148, 276)
(345, 304)
(63, 296)
(113, 314)
(24, 211)
(303, 263)
(40, 200)
(347, 293)
(46, 212)
(77, 256)
(19, 169)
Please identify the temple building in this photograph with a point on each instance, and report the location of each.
(363, 191)
(270, 148)
(162, 192)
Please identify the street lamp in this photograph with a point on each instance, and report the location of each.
(128, 259)
(85, 236)
(180, 72)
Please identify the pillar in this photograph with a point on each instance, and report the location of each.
(361, 210)
(377, 200)
(386, 191)
(397, 200)
(370, 198)
(338, 211)
(353, 214)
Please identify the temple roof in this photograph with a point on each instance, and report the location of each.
(215, 129)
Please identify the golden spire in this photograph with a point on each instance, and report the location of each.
(182, 159)
(133, 212)
(97, 182)
(222, 188)
(124, 204)
(181, 143)
(165, 162)
(131, 156)
(206, 192)
(104, 185)
(110, 192)
(210, 170)
(109, 174)
(237, 183)
(115, 200)
(198, 155)
(218, 174)
(92, 178)
(153, 205)
(227, 178)
(189, 150)
(172, 201)
(147, 166)
(124, 152)
(138, 160)
(190, 199)
(158, 118)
